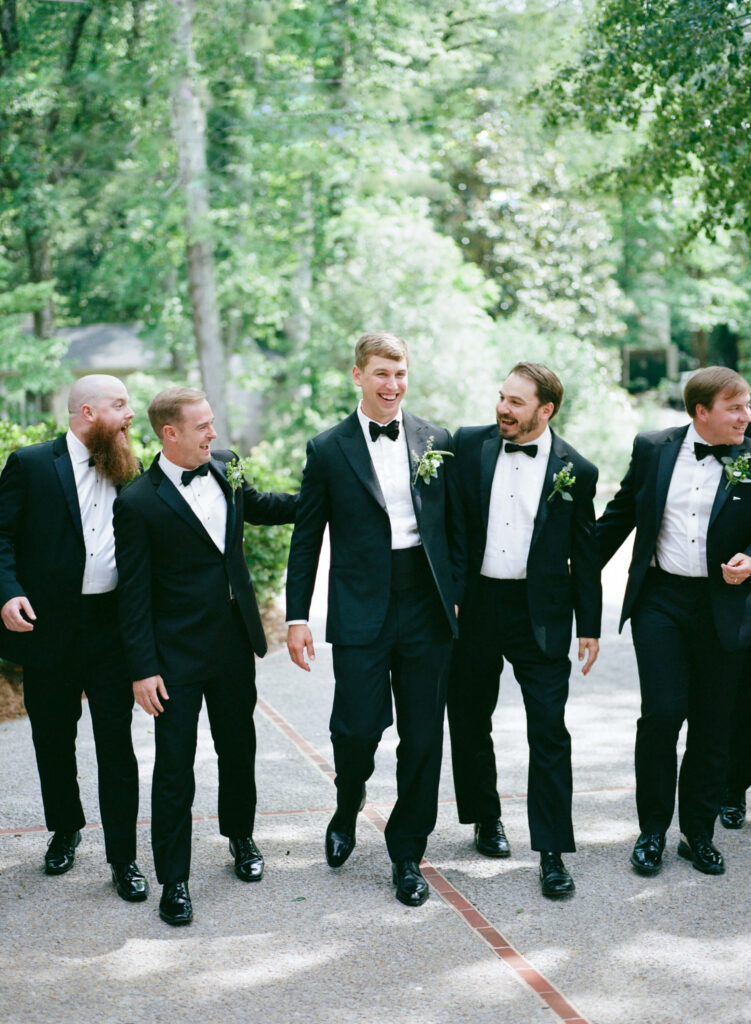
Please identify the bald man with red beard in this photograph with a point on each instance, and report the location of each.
(59, 618)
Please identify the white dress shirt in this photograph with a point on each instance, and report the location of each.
(204, 495)
(393, 468)
(96, 495)
(682, 540)
(514, 500)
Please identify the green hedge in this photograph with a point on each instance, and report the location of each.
(266, 547)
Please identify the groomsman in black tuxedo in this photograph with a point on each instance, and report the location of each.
(190, 627)
(689, 603)
(525, 531)
(57, 592)
(391, 614)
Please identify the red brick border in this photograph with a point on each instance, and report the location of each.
(469, 914)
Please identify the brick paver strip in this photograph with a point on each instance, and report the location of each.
(472, 918)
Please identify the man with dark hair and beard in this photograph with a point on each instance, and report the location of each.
(59, 619)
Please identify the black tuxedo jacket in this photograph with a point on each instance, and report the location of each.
(340, 489)
(42, 553)
(563, 572)
(173, 578)
(640, 503)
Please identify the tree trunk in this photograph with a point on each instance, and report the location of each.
(189, 130)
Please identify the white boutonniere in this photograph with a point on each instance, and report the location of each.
(428, 464)
(563, 482)
(235, 474)
(737, 470)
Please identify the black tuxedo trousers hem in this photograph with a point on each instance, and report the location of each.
(685, 675)
(496, 626)
(53, 700)
(230, 694)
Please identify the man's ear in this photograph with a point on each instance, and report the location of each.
(168, 432)
(88, 413)
(357, 376)
(546, 411)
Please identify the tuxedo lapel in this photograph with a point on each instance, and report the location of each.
(219, 469)
(355, 450)
(417, 435)
(64, 469)
(556, 461)
(169, 494)
(667, 455)
(723, 491)
(489, 452)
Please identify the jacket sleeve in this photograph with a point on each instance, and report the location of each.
(12, 505)
(133, 556)
(585, 562)
(313, 513)
(619, 517)
(456, 522)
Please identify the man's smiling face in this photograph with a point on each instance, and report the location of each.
(384, 385)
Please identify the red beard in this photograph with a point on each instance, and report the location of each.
(111, 453)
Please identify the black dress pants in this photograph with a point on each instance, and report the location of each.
(739, 763)
(685, 675)
(230, 694)
(409, 658)
(53, 700)
(493, 627)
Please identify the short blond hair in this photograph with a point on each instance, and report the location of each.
(380, 343)
(167, 406)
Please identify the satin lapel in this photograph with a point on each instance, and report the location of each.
(556, 461)
(64, 468)
(417, 435)
(355, 450)
(219, 470)
(170, 496)
(667, 455)
(723, 492)
(491, 447)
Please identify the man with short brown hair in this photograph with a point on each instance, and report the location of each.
(686, 597)
(526, 537)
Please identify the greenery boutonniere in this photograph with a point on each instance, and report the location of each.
(235, 474)
(737, 470)
(562, 482)
(427, 465)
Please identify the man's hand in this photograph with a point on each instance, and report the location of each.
(300, 640)
(591, 648)
(147, 692)
(13, 618)
(737, 569)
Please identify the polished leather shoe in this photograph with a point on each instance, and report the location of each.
(61, 852)
(175, 906)
(555, 881)
(733, 811)
(340, 836)
(646, 856)
(703, 853)
(129, 882)
(411, 887)
(490, 839)
(248, 859)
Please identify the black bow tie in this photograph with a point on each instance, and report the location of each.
(701, 451)
(528, 449)
(390, 430)
(188, 474)
(91, 462)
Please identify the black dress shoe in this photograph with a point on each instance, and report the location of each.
(61, 852)
(733, 811)
(555, 881)
(411, 887)
(175, 906)
(340, 835)
(248, 859)
(704, 854)
(129, 882)
(646, 856)
(490, 839)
